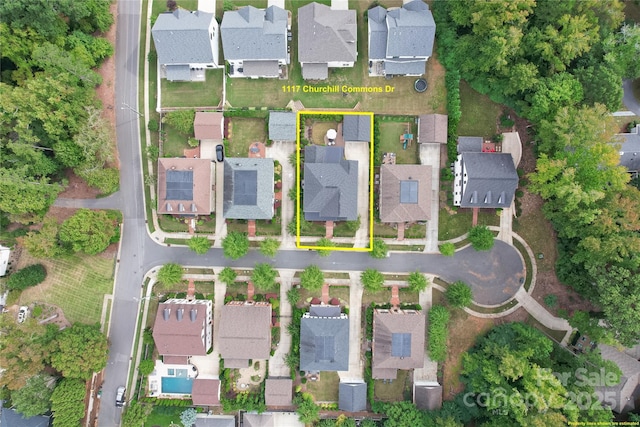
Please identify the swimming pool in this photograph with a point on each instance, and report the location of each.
(177, 385)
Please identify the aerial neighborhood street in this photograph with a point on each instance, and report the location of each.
(326, 217)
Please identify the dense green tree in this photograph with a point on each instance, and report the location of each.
(88, 231)
(135, 415)
(379, 249)
(293, 296)
(417, 282)
(35, 397)
(264, 277)
(401, 414)
(27, 277)
(372, 280)
(79, 351)
(170, 274)
(269, 247)
(308, 411)
(146, 367)
(227, 276)
(447, 249)
(235, 245)
(312, 278)
(552, 94)
(181, 120)
(324, 243)
(459, 294)
(25, 199)
(199, 244)
(67, 402)
(481, 238)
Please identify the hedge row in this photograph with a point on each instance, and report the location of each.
(27, 277)
(438, 320)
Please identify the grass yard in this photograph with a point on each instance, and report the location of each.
(390, 142)
(341, 292)
(535, 229)
(193, 94)
(479, 113)
(161, 6)
(326, 388)
(455, 225)
(77, 284)
(245, 132)
(172, 225)
(174, 143)
(164, 416)
(394, 391)
(415, 231)
(319, 130)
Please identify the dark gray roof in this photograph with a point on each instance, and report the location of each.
(407, 67)
(630, 150)
(491, 180)
(248, 188)
(250, 33)
(261, 68)
(470, 144)
(326, 35)
(624, 394)
(411, 29)
(324, 343)
(178, 73)
(317, 310)
(179, 185)
(216, 421)
(12, 418)
(330, 185)
(377, 17)
(356, 127)
(282, 126)
(182, 37)
(428, 397)
(258, 420)
(314, 71)
(352, 397)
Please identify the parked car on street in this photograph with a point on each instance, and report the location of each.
(120, 396)
(220, 153)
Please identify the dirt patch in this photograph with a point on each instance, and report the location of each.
(77, 188)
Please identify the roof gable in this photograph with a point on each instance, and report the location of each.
(326, 35)
(245, 331)
(180, 327)
(398, 341)
(405, 193)
(208, 125)
(282, 126)
(432, 128)
(491, 180)
(254, 34)
(188, 178)
(324, 343)
(352, 397)
(278, 391)
(182, 37)
(356, 127)
(248, 188)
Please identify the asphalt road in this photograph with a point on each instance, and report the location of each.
(494, 275)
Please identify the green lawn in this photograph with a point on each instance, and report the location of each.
(77, 284)
(326, 388)
(193, 94)
(245, 132)
(171, 224)
(319, 130)
(394, 391)
(164, 416)
(415, 231)
(390, 142)
(174, 143)
(341, 292)
(479, 113)
(451, 226)
(161, 6)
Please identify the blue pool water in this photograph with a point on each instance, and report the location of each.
(177, 385)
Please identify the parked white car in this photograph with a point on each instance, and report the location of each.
(23, 313)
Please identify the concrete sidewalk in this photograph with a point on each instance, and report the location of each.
(430, 155)
(356, 367)
(429, 370)
(281, 151)
(277, 366)
(360, 151)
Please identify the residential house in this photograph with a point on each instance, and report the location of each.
(282, 126)
(427, 395)
(356, 128)
(630, 151)
(185, 186)
(400, 39)
(621, 397)
(186, 43)
(352, 396)
(270, 419)
(432, 129)
(11, 418)
(405, 193)
(205, 420)
(244, 333)
(278, 392)
(324, 339)
(255, 41)
(398, 342)
(209, 130)
(327, 38)
(483, 180)
(205, 391)
(248, 188)
(183, 328)
(330, 185)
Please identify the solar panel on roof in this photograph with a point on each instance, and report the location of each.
(325, 348)
(401, 345)
(245, 187)
(179, 185)
(408, 191)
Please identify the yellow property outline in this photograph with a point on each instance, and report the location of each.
(298, 183)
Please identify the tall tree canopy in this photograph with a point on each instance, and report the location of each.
(79, 351)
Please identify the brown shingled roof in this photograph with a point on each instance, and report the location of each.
(278, 392)
(392, 178)
(205, 392)
(432, 128)
(174, 331)
(245, 331)
(201, 201)
(208, 126)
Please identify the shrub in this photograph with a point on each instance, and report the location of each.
(459, 294)
(146, 366)
(27, 277)
(551, 300)
(153, 125)
(481, 238)
(447, 249)
(446, 175)
(438, 320)
(379, 249)
(417, 282)
(293, 296)
(372, 280)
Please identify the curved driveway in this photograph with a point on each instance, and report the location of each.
(493, 275)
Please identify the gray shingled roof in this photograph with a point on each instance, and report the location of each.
(326, 35)
(248, 188)
(377, 21)
(491, 180)
(321, 310)
(215, 421)
(406, 67)
(427, 396)
(261, 68)
(258, 420)
(12, 418)
(178, 73)
(324, 343)
(312, 71)
(330, 185)
(412, 30)
(356, 127)
(630, 150)
(628, 389)
(352, 397)
(250, 33)
(282, 126)
(470, 144)
(182, 37)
